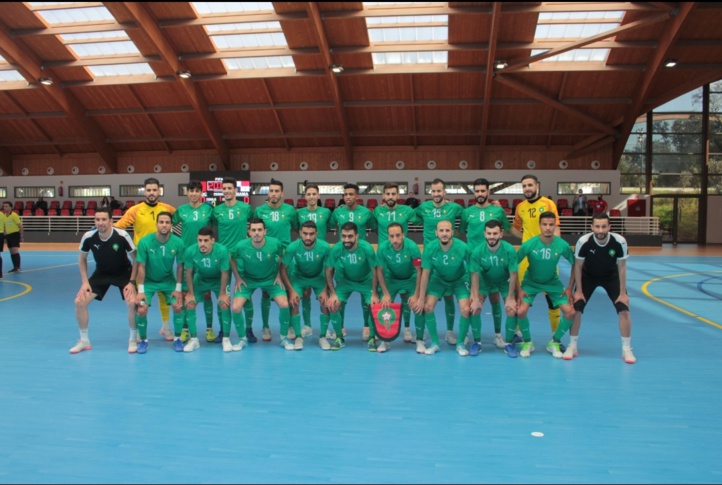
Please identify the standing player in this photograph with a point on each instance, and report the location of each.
(430, 213)
(280, 220)
(142, 217)
(601, 260)
(191, 217)
(2, 239)
(494, 272)
(255, 263)
(543, 253)
(473, 224)
(157, 253)
(111, 248)
(231, 222)
(303, 269)
(445, 271)
(527, 225)
(207, 266)
(352, 264)
(399, 272)
(13, 235)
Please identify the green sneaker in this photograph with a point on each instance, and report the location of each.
(526, 349)
(372, 347)
(338, 344)
(185, 335)
(210, 335)
(554, 349)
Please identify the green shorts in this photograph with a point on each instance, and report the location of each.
(273, 290)
(166, 288)
(300, 284)
(488, 289)
(201, 287)
(439, 288)
(343, 292)
(397, 287)
(554, 289)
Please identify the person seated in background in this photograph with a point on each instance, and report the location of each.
(412, 201)
(105, 202)
(114, 204)
(41, 204)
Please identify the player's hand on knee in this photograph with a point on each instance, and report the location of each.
(190, 303)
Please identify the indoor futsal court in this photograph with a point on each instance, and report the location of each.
(265, 415)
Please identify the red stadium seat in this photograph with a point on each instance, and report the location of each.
(79, 204)
(401, 201)
(92, 204)
(129, 204)
(507, 210)
(67, 204)
(329, 204)
(288, 201)
(29, 204)
(27, 212)
(566, 212)
(360, 201)
(52, 212)
(472, 201)
(89, 212)
(77, 212)
(372, 203)
(39, 212)
(117, 212)
(460, 202)
(55, 204)
(301, 203)
(64, 212)
(615, 213)
(504, 202)
(562, 203)
(18, 205)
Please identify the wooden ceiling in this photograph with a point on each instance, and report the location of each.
(575, 107)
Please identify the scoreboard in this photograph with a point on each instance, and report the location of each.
(212, 183)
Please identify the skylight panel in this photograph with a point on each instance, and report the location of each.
(399, 4)
(210, 8)
(571, 31)
(243, 27)
(576, 55)
(121, 70)
(249, 40)
(93, 36)
(101, 49)
(11, 76)
(249, 63)
(399, 58)
(76, 15)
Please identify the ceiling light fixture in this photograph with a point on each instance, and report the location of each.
(336, 68)
(670, 62)
(184, 74)
(47, 81)
(500, 64)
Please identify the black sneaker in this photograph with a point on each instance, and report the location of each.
(249, 335)
(14, 270)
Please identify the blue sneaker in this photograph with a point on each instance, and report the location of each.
(371, 345)
(475, 349)
(249, 335)
(178, 345)
(219, 337)
(510, 350)
(142, 347)
(516, 340)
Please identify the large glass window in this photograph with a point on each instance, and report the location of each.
(135, 191)
(89, 191)
(34, 192)
(571, 188)
(3, 192)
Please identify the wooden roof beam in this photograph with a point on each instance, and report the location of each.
(149, 118)
(489, 77)
(275, 113)
(555, 113)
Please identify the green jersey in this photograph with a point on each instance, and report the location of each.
(258, 265)
(361, 216)
(320, 216)
(401, 264)
(430, 215)
(401, 214)
(494, 267)
(231, 223)
(309, 262)
(355, 266)
(449, 266)
(474, 219)
(543, 259)
(191, 220)
(279, 222)
(159, 258)
(207, 267)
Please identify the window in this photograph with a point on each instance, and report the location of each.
(3, 192)
(373, 188)
(89, 191)
(324, 189)
(135, 190)
(571, 188)
(34, 192)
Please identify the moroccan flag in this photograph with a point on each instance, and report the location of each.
(387, 321)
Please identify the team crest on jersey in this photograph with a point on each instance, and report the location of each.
(612, 252)
(116, 247)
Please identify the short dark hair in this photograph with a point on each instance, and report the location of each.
(276, 182)
(547, 215)
(164, 213)
(493, 224)
(600, 215)
(194, 184)
(395, 224)
(151, 180)
(391, 185)
(481, 182)
(438, 181)
(207, 231)
(310, 225)
(103, 208)
(228, 180)
(530, 176)
(256, 220)
(351, 186)
(350, 226)
(311, 186)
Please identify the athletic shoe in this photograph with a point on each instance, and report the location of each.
(562, 347)
(383, 347)
(192, 345)
(15, 270)
(343, 332)
(510, 350)
(250, 337)
(366, 334)
(142, 347)
(628, 356)
(298, 344)
(178, 344)
(226, 342)
(185, 335)
(323, 343)
(553, 348)
(371, 345)
(306, 331)
(80, 346)
(432, 350)
(210, 336)
(475, 349)
(291, 333)
(286, 344)
(330, 334)
(526, 349)
(570, 353)
(450, 337)
(239, 346)
(167, 334)
(499, 341)
(407, 335)
(516, 340)
(420, 347)
(132, 346)
(267, 334)
(219, 338)
(338, 344)
(461, 350)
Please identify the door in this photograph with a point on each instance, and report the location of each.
(678, 218)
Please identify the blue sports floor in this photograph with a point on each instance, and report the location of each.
(266, 415)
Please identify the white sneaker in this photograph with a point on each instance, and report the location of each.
(291, 333)
(570, 353)
(192, 345)
(420, 347)
(628, 356)
(330, 333)
(298, 344)
(226, 342)
(554, 349)
(239, 346)
(80, 346)
(306, 331)
(499, 341)
(167, 333)
(450, 337)
(461, 350)
(287, 344)
(366, 334)
(132, 346)
(266, 334)
(432, 350)
(383, 347)
(526, 349)
(323, 343)
(407, 335)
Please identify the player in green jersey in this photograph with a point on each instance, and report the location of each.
(191, 217)
(430, 213)
(207, 266)
(543, 253)
(391, 212)
(320, 216)
(445, 271)
(231, 222)
(255, 263)
(157, 253)
(473, 221)
(280, 220)
(352, 265)
(399, 272)
(303, 269)
(493, 272)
